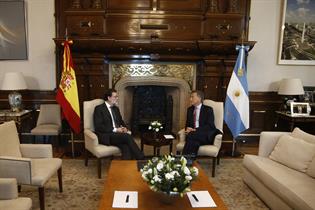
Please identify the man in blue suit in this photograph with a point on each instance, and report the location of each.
(200, 128)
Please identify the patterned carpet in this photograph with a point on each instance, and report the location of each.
(82, 189)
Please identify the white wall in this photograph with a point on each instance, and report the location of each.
(39, 69)
(263, 71)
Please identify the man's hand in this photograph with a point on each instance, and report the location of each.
(121, 130)
(189, 129)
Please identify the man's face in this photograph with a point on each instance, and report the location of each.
(113, 100)
(195, 99)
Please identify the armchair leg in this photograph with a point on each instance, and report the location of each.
(41, 192)
(60, 179)
(99, 167)
(218, 159)
(214, 163)
(19, 188)
(86, 153)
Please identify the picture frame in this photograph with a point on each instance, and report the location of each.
(296, 45)
(300, 109)
(13, 30)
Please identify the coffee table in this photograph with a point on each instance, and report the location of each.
(123, 175)
(156, 141)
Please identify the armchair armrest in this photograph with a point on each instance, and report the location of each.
(8, 189)
(16, 167)
(90, 139)
(218, 141)
(182, 135)
(268, 141)
(36, 150)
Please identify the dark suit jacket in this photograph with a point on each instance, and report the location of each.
(206, 122)
(103, 123)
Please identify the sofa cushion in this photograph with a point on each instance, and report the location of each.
(295, 188)
(311, 168)
(298, 133)
(293, 152)
(9, 140)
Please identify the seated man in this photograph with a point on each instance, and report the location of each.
(111, 129)
(200, 128)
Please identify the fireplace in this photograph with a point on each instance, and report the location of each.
(151, 103)
(177, 81)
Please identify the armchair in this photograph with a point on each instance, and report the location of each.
(29, 164)
(90, 138)
(9, 196)
(48, 122)
(211, 151)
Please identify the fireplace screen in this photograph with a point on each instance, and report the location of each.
(151, 103)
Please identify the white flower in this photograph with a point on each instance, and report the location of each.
(183, 161)
(157, 130)
(161, 127)
(152, 181)
(175, 189)
(150, 127)
(159, 166)
(175, 173)
(150, 171)
(154, 123)
(188, 178)
(186, 170)
(156, 178)
(195, 171)
(169, 176)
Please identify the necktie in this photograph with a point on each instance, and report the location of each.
(114, 117)
(195, 117)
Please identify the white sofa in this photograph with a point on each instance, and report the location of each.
(280, 186)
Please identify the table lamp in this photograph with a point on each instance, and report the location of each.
(289, 88)
(14, 81)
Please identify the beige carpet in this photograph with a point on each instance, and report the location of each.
(82, 189)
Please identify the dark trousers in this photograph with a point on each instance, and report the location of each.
(193, 141)
(127, 145)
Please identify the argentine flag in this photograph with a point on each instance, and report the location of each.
(236, 108)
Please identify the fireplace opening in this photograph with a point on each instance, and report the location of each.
(151, 103)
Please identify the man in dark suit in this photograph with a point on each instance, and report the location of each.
(111, 129)
(200, 128)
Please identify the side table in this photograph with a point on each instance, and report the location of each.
(20, 118)
(156, 141)
(292, 120)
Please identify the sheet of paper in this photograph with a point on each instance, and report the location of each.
(200, 199)
(125, 199)
(169, 136)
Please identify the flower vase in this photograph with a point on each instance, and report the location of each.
(155, 135)
(168, 198)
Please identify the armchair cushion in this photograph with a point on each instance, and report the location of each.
(44, 169)
(9, 140)
(36, 150)
(288, 152)
(47, 129)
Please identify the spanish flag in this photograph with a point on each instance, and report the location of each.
(67, 93)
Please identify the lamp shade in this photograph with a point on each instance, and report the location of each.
(291, 86)
(13, 81)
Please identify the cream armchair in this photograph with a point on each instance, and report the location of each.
(9, 196)
(211, 151)
(90, 138)
(29, 164)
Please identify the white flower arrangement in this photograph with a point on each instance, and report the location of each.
(155, 126)
(168, 174)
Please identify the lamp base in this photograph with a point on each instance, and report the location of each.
(15, 101)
